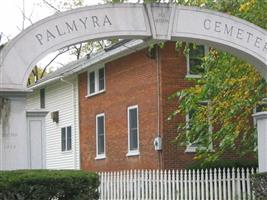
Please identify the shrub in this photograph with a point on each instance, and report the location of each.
(48, 185)
(259, 185)
(224, 164)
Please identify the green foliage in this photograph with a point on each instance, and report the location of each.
(45, 184)
(232, 88)
(259, 185)
(224, 164)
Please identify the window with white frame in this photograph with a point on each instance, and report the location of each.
(96, 80)
(133, 131)
(192, 146)
(100, 136)
(195, 59)
(66, 139)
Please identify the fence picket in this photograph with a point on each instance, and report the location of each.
(202, 185)
(189, 185)
(233, 184)
(220, 184)
(213, 184)
(228, 178)
(194, 184)
(182, 184)
(244, 194)
(206, 185)
(198, 184)
(215, 181)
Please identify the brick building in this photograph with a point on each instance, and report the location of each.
(124, 106)
(106, 111)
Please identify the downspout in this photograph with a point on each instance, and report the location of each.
(158, 104)
(74, 117)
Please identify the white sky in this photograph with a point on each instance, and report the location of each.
(11, 20)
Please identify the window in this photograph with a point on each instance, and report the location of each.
(192, 146)
(66, 138)
(133, 131)
(100, 136)
(194, 60)
(42, 98)
(96, 81)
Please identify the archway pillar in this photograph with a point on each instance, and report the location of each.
(261, 119)
(13, 131)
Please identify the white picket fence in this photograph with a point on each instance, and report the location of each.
(213, 184)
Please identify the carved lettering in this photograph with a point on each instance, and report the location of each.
(249, 35)
(71, 28)
(235, 33)
(68, 27)
(207, 24)
(49, 35)
(39, 38)
(84, 22)
(257, 42)
(106, 21)
(227, 30)
(95, 21)
(239, 33)
(217, 26)
(58, 31)
(265, 47)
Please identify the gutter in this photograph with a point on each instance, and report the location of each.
(45, 82)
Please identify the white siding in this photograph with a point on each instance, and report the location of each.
(63, 97)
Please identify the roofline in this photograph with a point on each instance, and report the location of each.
(45, 82)
(102, 57)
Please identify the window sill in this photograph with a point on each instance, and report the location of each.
(100, 157)
(67, 152)
(192, 76)
(94, 94)
(133, 153)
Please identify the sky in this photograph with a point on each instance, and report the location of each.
(11, 14)
(11, 22)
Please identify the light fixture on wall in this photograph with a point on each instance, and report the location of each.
(55, 116)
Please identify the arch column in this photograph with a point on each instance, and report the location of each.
(261, 119)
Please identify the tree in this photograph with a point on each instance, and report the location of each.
(233, 89)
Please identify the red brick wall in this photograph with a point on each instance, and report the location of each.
(130, 80)
(173, 72)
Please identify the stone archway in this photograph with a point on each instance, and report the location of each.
(157, 21)
(160, 22)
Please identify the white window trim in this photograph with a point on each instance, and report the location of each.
(188, 75)
(100, 156)
(96, 70)
(189, 147)
(133, 152)
(66, 139)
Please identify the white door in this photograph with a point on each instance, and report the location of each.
(36, 142)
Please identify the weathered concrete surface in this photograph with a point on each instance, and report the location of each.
(157, 21)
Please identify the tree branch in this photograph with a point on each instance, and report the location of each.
(64, 51)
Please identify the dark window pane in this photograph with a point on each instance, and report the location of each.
(196, 54)
(133, 118)
(100, 135)
(101, 79)
(69, 138)
(101, 144)
(133, 129)
(42, 98)
(133, 140)
(63, 139)
(92, 82)
(100, 125)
